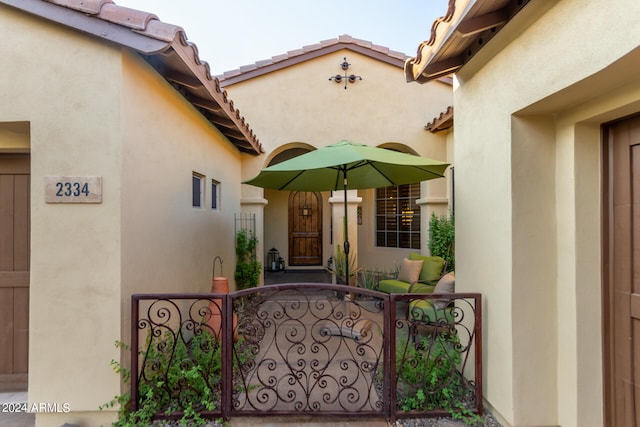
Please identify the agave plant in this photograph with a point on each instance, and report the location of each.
(340, 266)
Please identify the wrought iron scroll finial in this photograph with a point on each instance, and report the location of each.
(347, 78)
(217, 258)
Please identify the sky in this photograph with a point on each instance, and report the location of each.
(233, 33)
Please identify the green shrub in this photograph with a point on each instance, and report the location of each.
(248, 268)
(429, 377)
(178, 376)
(442, 239)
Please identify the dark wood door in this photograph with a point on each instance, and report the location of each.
(622, 273)
(305, 228)
(14, 266)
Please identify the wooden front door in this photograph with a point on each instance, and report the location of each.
(621, 296)
(14, 267)
(305, 228)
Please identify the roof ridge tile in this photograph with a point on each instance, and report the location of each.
(127, 17)
(92, 7)
(295, 52)
(344, 39)
(313, 46)
(161, 30)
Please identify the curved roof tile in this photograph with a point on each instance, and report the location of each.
(132, 18)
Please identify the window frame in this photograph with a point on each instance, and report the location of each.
(398, 217)
(215, 195)
(200, 191)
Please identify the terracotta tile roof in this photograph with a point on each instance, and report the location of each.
(164, 46)
(456, 37)
(313, 51)
(443, 122)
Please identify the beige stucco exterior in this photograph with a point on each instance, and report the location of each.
(91, 108)
(528, 111)
(297, 106)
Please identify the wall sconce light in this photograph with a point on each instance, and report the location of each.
(347, 78)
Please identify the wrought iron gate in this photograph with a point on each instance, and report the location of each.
(306, 349)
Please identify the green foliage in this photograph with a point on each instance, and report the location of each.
(248, 267)
(340, 265)
(172, 363)
(442, 238)
(429, 379)
(369, 278)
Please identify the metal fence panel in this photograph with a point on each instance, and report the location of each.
(307, 349)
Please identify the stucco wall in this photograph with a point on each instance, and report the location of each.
(168, 245)
(14, 137)
(95, 110)
(75, 264)
(528, 188)
(299, 105)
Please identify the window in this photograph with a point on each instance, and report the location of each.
(398, 216)
(215, 195)
(197, 190)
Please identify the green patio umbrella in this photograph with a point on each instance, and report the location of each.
(347, 165)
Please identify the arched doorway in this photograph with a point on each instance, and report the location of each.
(305, 228)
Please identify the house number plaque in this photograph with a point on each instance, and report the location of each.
(73, 189)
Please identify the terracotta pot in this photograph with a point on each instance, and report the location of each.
(220, 285)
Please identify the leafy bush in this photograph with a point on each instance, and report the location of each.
(178, 376)
(442, 238)
(429, 377)
(248, 267)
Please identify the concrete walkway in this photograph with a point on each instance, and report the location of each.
(9, 402)
(28, 420)
(303, 422)
(21, 419)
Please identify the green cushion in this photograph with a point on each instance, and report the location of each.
(393, 286)
(421, 288)
(431, 267)
(426, 311)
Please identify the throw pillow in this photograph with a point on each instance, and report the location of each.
(446, 285)
(431, 269)
(410, 271)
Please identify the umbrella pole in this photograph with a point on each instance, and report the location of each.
(346, 228)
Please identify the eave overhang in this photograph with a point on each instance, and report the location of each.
(441, 123)
(164, 46)
(457, 36)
